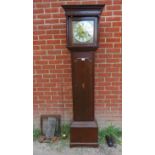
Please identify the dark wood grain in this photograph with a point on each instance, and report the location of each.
(83, 10)
(84, 133)
(83, 85)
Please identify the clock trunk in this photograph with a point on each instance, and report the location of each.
(83, 85)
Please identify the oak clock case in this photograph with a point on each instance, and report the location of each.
(82, 25)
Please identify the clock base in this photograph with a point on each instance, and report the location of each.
(84, 133)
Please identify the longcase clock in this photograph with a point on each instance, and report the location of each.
(82, 41)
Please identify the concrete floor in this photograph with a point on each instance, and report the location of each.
(62, 148)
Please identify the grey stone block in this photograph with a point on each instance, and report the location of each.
(51, 126)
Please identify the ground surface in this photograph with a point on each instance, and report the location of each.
(62, 148)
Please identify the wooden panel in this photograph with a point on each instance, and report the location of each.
(83, 84)
(84, 134)
(83, 10)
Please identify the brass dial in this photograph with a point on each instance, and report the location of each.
(83, 31)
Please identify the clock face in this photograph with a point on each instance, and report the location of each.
(83, 31)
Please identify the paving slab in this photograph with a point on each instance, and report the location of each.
(62, 148)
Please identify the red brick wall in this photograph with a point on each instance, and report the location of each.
(52, 62)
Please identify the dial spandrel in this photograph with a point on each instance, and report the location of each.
(83, 31)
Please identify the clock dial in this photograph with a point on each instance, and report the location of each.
(83, 31)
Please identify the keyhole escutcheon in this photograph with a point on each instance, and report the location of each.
(83, 85)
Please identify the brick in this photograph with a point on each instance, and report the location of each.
(38, 42)
(62, 66)
(37, 1)
(58, 16)
(112, 96)
(59, 26)
(117, 2)
(105, 24)
(119, 34)
(114, 69)
(51, 85)
(106, 34)
(107, 2)
(44, 16)
(44, 27)
(105, 45)
(41, 71)
(117, 24)
(35, 27)
(41, 62)
(37, 57)
(48, 57)
(59, 46)
(42, 5)
(113, 60)
(112, 29)
(107, 13)
(114, 7)
(42, 81)
(118, 13)
(63, 31)
(53, 42)
(117, 56)
(51, 21)
(59, 36)
(39, 52)
(36, 47)
(101, 56)
(55, 4)
(54, 52)
(38, 32)
(55, 105)
(56, 71)
(51, 10)
(38, 11)
(89, 2)
(46, 47)
(34, 16)
(37, 67)
(45, 37)
(117, 45)
(43, 89)
(46, 0)
(117, 74)
(113, 40)
(113, 50)
(52, 31)
(104, 74)
(113, 18)
(67, 70)
(63, 42)
(55, 61)
(118, 84)
(62, 20)
(49, 76)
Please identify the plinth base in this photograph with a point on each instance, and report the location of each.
(84, 133)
